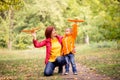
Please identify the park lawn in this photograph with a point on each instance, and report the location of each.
(103, 60)
(29, 64)
(23, 65)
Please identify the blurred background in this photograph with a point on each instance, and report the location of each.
(102, 20)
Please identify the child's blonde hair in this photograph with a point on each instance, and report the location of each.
(69, 29)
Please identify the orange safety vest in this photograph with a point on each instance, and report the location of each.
(69, 40)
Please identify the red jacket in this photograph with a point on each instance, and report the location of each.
(47, 43)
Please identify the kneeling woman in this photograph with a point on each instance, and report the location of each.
(53, 44)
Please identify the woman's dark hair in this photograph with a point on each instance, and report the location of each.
(48, 31)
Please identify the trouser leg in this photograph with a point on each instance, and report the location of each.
(49, 69)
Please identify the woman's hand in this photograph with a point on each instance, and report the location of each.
(34, 35)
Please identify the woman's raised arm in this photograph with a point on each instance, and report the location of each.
(36, 43)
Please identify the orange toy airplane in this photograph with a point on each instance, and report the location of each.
(75, 20)
(31, 31)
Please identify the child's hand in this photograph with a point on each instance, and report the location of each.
(74, 51)
(76, 22)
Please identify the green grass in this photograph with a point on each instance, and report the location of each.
(103, 60)
(29, 64)
(22, 65)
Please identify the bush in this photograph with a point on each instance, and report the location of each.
(105, 44)
(3, 43)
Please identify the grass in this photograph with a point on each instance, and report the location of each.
(103, 60)
(29, 64)
(22, 65)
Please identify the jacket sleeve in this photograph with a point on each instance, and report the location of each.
(74, 30)
(60, 38)
(39, 44)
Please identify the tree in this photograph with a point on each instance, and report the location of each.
(9, 7)
(102, 19)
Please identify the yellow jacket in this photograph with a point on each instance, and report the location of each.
(69, 40)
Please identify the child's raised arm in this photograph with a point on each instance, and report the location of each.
(74, 30)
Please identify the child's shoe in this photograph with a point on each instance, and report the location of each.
(66, 73)
(75, 73)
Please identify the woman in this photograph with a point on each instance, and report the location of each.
(53, 44)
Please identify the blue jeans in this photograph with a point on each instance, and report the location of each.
(50, 66)
(70, 59)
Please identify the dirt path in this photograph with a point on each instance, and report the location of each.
(85, 73)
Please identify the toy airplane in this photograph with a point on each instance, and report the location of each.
(75, 20)
(31, 31)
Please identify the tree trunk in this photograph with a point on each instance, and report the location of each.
(10, 15)
(87, 39)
